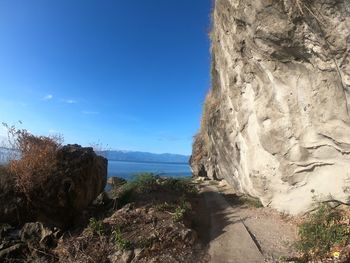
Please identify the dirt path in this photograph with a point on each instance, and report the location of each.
(239, 233)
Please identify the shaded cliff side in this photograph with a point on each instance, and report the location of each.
(276, 122)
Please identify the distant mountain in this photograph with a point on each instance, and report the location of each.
(128, 156)
(131, 156)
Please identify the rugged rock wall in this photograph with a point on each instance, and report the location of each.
(276, 123)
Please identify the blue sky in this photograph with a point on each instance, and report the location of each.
(128, 74)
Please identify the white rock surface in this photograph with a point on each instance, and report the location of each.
(276, 123)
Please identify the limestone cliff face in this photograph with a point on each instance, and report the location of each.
(276, 123)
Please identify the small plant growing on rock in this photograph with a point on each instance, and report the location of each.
(121, 242)
(96, 226)
(179, 214)
(165, 207)
(181, 210)
(251, 201)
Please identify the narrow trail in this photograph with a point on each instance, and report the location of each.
(230, 241)
(239, 233)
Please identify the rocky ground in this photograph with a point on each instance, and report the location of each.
(150, 220)
(154, 219)
(158, 220)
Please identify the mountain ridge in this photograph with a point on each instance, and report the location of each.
(139, 156)
(122, 155)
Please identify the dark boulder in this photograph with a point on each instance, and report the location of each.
(80, 177)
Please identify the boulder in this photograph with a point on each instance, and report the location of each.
(79, 178)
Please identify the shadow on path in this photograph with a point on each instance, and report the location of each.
(222, 230)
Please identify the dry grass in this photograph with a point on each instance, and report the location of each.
(88, 248)
(304, 7)
(37, 160)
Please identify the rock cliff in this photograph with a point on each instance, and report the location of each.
(276, 121)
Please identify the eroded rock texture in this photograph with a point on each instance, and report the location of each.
(276, 123)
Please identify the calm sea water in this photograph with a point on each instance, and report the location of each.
(127, 170)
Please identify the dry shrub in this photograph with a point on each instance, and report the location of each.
(36, 162)
(88, 248)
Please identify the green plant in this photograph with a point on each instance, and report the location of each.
(148, 182)
(144, 242)
(165, 207)
(181, 210)
(251, 201)
(180, 185)
(321, 231)
(96, 226)
(179, 214)
(141, 183)
(121, 243)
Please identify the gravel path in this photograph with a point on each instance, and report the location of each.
(241, 233)
(230, 242)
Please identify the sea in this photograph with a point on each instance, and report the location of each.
(128, 170)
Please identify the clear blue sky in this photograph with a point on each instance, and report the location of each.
(128, 74)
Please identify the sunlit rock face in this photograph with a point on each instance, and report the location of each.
(276, 123)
